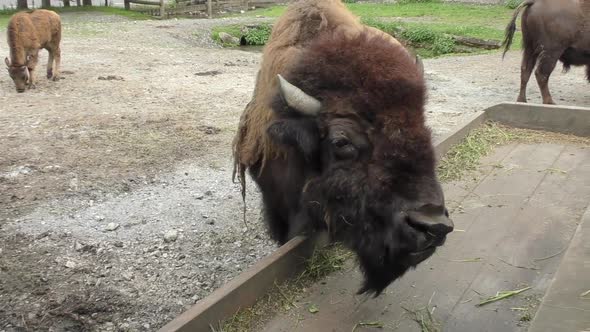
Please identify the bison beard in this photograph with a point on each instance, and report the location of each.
(358, 224)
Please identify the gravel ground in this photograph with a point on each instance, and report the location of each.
(117, 209)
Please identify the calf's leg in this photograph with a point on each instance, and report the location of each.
(32, 61)
(56, 69)
(50, 64)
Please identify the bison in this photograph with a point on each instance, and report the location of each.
(335, 138)
(552, 30)
(28, 32)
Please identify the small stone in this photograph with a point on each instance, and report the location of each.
(228, 39)
(127, 275)
(112, 226)
(211, 222)
(118, 244)
(208, 193)
(70, 264)
(146, 326)
(99, 218)
(78, 246)
(170, 236)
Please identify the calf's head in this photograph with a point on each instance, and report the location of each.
(374, 185)
(19, 73)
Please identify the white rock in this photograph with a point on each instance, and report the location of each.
(112, 226)
(170, 236)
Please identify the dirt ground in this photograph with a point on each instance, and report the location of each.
(117, 209)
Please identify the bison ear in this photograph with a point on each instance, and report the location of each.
(420, 65)
(7, 61)
(297, 99)
(300, 134)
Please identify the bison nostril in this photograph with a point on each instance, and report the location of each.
(431, 219)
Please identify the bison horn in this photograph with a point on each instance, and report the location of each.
(7, 61)
(28, 74)
(298, 99)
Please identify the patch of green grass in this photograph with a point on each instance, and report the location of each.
(483, 15)
(258, 35)
(284, 297)
(104, 10)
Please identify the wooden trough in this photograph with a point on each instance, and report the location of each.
(287, 261)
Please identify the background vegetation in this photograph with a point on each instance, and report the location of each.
(426, 25)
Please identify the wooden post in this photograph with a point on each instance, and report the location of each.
(162, 9)
(127, 5)
(209, 8)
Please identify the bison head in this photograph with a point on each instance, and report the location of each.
(373, 186)
(19, 74)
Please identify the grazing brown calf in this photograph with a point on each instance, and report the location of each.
(552, 30)
(336, 140)
(28, 32)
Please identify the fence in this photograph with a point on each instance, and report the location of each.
(11, 4)
(162, 8)
(200, 8)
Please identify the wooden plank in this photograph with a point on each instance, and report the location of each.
(544, 226)
(144, 2)
(566, 307)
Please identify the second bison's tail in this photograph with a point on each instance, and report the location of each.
(511, 28)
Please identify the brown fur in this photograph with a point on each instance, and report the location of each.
(291, 33)
(27, 33)
(552, 30)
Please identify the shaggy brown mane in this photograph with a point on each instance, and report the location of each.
(308, 46)
(381, 83)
